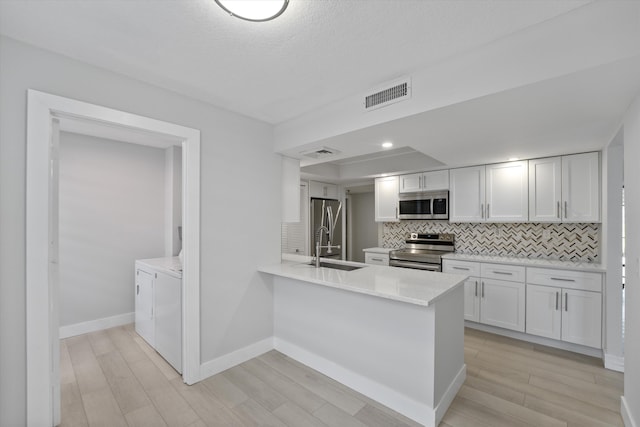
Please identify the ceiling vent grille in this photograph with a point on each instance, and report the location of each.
(320, 153)
(397, 91)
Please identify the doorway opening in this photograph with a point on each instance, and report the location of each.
(44, 114)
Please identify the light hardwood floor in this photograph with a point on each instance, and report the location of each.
(114, 378)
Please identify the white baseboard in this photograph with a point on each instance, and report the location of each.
(234, 358)
(576, 348)
(627, 418)
(615, 363)
(96, 325)
(408, 407)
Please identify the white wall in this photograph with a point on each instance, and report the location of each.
(364, 229)
(239, 172)
(632, 228)
(111, 213)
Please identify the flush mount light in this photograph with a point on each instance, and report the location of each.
(387, 144)
(513, 159)
(254, 10)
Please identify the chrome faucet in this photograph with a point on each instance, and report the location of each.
(328, 247)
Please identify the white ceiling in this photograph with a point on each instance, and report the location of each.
(321, 53)
(316, 53)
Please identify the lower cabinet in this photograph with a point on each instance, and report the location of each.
(571, 312)
(488, 300)
(502, 304)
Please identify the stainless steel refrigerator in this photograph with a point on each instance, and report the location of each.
(326, 212)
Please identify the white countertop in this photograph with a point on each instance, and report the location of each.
(170, 265)
(529, 262)
(378, 250)
(401, 284)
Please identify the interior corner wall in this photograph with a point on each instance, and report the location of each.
(632, 229)
(364, 229)
(239, 202)
(111, 213)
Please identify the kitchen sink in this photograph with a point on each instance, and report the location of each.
(338, 266)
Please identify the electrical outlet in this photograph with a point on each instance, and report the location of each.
(546, 234)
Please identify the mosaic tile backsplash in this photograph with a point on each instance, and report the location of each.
(566, 242)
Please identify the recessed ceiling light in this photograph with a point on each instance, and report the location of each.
(387, 144)
(254, 10)
(513, 159)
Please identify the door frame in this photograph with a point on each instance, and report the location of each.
(42, 329)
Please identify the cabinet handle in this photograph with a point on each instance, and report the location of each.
(137, 289)
(482, 289)
(557, 300)
(487, 210)
(376, 259)
(562, 279)
(482, 210)
(460, 268)
(396, 212)
(476, 288)
(558, 207)
(566, 301)
(503, 272)
(419, 182)
(565, 210)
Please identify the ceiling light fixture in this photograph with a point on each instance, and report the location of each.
(387, 144)
(254, 10)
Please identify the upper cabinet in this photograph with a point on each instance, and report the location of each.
(323, 190)
(386, 199)
(426, 181)
(565, 189)
(466, 197)
(492, 193)
(581, 188)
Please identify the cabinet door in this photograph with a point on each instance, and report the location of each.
(144, 321)
(411, 183)
(544, 313)
(507, 197)
(545, 185)
(466, 197)
(323, 190)
(502, 304)
(436, 180)
(582, 317)
(472, 299)
(168, 319)
(386, 199)
(581, 188)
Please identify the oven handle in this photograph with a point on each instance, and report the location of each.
(416, 265)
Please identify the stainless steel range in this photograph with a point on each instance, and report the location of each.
(423, 251)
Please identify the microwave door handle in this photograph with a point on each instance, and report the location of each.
(432, 211)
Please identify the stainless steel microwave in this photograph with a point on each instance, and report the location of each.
(427, 205)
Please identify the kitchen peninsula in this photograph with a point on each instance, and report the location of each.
(396, 335)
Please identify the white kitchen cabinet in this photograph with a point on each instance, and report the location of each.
(323, 190)
(502, 304)
(565, 189)
(424, 181)
(144, 320)
(581, 188)
(544, 315)
(565, 305)
(472, 299)
(467, 194)
(507, 189)
(376, 258)
(386, 199)
(545, 189)
(490, 299)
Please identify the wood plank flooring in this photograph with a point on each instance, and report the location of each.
(114, 378)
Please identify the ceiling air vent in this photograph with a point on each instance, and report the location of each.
(320, 153)
(396, 91)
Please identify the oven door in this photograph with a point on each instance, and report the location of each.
(415, 265)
